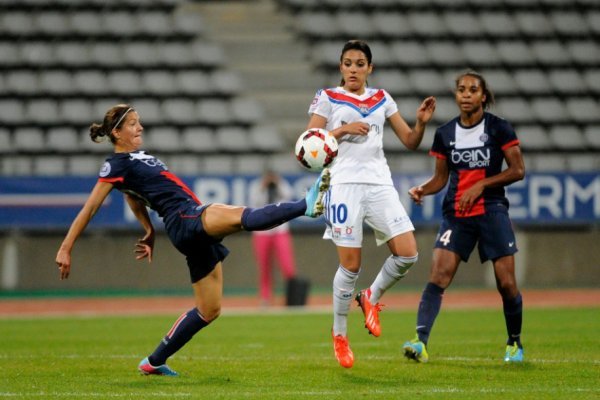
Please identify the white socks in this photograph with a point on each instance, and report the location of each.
(394, 268)
(343, 290)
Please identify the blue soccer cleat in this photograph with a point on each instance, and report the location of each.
(314, 196)
(514, 354)
(147, 369)
(416, 350)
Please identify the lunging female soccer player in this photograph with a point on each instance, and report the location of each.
(195, 229)
(469, 151)
(362, 189)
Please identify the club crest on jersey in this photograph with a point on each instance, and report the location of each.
(105, 170)
(484, 137)
(364, 108)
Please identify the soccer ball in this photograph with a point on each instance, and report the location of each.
(316, 148)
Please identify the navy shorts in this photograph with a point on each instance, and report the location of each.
(187, 234)
(492, 232)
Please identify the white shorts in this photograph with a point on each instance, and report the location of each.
(348, 205)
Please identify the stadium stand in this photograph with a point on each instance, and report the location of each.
(63, 63)
(541, 57)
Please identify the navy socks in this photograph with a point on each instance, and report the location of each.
(513, 315)
(271, 215)
(182, 331)
(429, 307)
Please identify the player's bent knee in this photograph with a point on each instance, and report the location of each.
(403, 264)
(209, 315)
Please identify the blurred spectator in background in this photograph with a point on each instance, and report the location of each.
(275, 243)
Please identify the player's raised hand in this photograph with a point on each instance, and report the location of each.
(416, 194)
(426, 110)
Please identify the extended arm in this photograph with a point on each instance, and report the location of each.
(412, 137)
(514, 172)
(144, 246)
(91, 206)
(434, 184)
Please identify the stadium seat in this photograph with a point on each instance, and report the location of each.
(532, 82)
(534, 24)
(121, 23)
(567, 81)
(17, 165)
(213, 111)
(77, 112)
(48, 165)
(515, 53)
(515, 109)
(569, 23)
(56, 83)
(578, 162)
(552, 162)
(408, 53)
(394, 81)
(12, 111)
(199, 139)
(91, 82)
(463, 24)
(180, 111)
(592, 80)
(427, 24)
(106, 54)
(10, 54)
(72, 55)
(246, 111)
(86, 23)
(390, 24)
(84, 165)
(250, 164)
(185, 165)
(193, 82)
(498, 24)
(567, 137)
(159, 83)
(160, 139)
(583, 109)
(149, 109)
(592, 136)
(533, 138)
(6, 145)
(29, 139)
(52, 23)
(391, 143)
(355, 24)
(317, 24)
(549, 110)
(125, 83)
(233, 139)
(22, 82)
(284, 163)
(550, 53)
(584, 52)
(445, 54)
(217, 164)
(479, 53)
(62, 139)
(42, 111)
(426, 82)
(266, 138)
(225, 82)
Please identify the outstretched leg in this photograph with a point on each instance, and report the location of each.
(207, 293)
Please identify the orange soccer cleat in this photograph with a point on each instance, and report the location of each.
(342, 350)
(371, 312)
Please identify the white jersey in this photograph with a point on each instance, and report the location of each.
(360, 158)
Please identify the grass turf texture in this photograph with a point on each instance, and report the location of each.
(290, 356)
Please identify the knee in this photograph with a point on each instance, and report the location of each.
(403, 263)
(209, 314)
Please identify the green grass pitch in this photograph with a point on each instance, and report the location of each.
(289, 356)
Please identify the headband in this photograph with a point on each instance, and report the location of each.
(121, 119)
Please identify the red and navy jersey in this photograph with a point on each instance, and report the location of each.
(472, 154)
(147, 178)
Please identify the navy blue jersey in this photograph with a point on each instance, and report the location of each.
(472, 154)
(147, 178)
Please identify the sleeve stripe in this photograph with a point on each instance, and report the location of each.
(510, 144)
(437, 155)
(111, 180)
